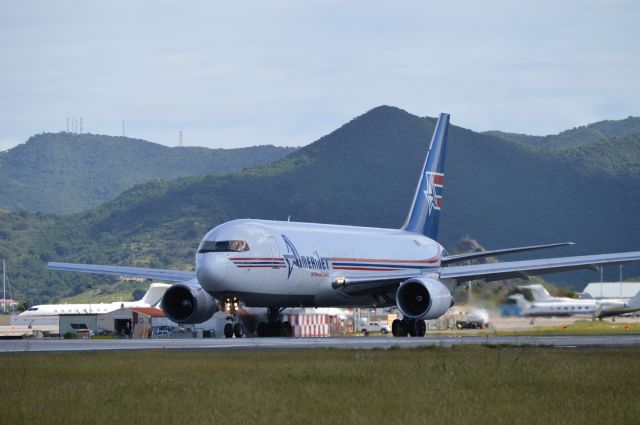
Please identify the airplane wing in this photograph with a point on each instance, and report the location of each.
(381, 283)
(480, 254)
(159, 274)
(499, 271)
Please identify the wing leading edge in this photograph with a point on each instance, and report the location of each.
(498, 271)
(159, 274)
(362, 285)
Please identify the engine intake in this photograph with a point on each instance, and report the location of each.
(188, 304)
(423, 299)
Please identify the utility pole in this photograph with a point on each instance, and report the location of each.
(180, 138)
(620, 280)
(4, 289)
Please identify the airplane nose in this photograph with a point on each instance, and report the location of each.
(211, 269)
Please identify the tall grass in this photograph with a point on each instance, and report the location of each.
(420, 386)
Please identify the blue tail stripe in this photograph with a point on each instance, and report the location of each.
(424, 214)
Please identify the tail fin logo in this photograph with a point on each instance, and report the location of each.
(433, 190)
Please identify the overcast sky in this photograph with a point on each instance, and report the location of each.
(288, 72)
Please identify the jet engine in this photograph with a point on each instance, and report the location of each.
(423, 299)
(188, 304)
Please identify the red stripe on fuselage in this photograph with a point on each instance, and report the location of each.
(267, 266)
(255, 259)
(375, 260)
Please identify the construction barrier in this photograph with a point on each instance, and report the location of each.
(310, 325)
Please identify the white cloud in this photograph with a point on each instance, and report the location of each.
(289, 72)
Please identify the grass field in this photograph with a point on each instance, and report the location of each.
(471, 385)
(580, 327)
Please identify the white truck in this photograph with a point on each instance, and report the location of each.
(368, 327)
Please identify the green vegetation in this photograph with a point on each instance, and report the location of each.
(65, 172)
(121, 291)
(577, 136)
(480, 385)
(500, 192)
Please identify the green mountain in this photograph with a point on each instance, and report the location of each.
(64, 172)
(499, 192)
(577, 136)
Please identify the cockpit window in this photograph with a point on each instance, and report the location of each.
(223, 246)
(33, 309)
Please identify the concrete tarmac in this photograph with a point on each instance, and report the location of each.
(263, 344)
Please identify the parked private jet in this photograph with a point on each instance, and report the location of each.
(544, 304)
(278, 264)
(43, 312)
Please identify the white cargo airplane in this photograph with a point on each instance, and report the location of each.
(544, 305)
(152, 298)
(277, 264)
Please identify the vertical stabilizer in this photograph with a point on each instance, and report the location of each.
(154, 295)
(634, 302)
(538, 292)
(425, 210)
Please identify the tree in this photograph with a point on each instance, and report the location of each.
(137, 294)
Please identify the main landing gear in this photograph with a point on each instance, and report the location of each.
(274, 326)
(231, 330)
(408, 327)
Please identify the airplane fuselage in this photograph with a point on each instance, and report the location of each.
(572, 307)
(294, 264)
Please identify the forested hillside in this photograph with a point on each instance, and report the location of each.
(65, 172)
(578, 136)
(499, 192)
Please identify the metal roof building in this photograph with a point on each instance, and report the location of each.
(612, 289)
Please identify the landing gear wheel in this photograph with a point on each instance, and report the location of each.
(228, 330)
(400, 328)
(238, 330)
(262, 330)
(395, 328)
(285, 330)
(420, 328)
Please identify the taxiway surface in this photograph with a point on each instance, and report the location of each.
(258, 344)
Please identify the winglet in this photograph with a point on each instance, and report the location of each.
(424, 214)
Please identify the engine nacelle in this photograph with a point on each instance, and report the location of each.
(423, 298)
(188, 304)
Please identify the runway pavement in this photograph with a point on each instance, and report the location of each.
(258, 344)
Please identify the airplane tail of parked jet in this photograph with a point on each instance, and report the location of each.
(634, 302)
(424, 213)
(539, 293)
(154, 295)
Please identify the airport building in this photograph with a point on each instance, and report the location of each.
(612, 289)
